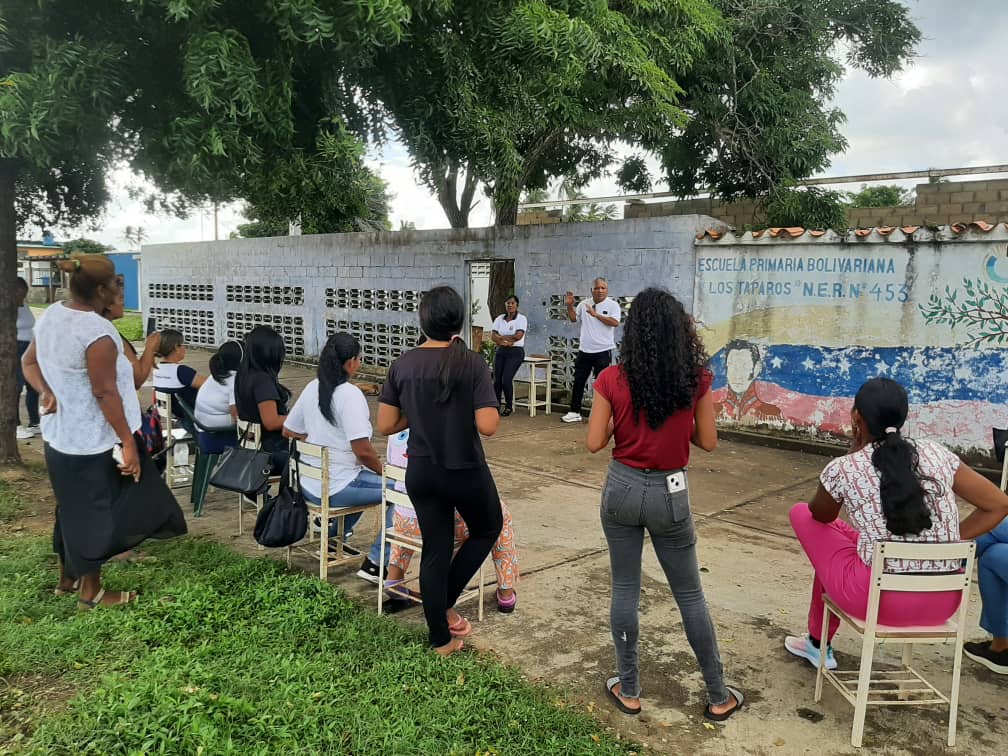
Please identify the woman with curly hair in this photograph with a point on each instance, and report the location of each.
(655, 403)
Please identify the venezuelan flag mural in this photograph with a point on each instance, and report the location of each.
(795, 327)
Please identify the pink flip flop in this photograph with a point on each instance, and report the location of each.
(461, 629)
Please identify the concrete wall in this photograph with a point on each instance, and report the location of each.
(795, 326)
(936, 205)
(370, 284)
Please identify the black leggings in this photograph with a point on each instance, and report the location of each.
(507, 360)
(436, 492)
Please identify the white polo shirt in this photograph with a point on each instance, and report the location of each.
(596, 336)
(506, 327)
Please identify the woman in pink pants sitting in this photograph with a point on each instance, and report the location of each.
(893, 489)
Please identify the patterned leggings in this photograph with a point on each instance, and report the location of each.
(505, 556)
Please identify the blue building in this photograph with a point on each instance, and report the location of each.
(128, 267)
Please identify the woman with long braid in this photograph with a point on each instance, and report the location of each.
(893, 489)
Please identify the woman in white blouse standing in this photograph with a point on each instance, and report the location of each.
(109, 496)
(509, 336)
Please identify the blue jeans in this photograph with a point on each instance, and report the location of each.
(364, 489)
(992, 568)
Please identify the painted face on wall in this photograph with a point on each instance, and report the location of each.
(740, 370)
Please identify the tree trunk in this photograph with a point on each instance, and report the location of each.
(502, 282)
(9, 394)
(456, 208)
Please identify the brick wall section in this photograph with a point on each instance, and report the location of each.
(936, 205)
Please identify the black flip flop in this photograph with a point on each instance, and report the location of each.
(739, 698)
(611, 683)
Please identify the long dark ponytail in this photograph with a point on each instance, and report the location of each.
(904, 492)
(442, 315)
(337, 350)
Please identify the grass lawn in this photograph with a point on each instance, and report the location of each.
(225, 654)
(130, 326)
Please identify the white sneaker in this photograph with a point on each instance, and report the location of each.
(24, 432)
(572, 417)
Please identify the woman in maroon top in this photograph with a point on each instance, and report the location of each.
(654, 403)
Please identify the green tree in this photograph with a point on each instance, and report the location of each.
(204, 98)
(809, 207)
(526, 90)
(883, 195)
(85, 246)
(327, 190)
(760, 98)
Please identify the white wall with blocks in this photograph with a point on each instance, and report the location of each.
(370, 285)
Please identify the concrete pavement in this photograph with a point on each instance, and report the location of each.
(756, 580)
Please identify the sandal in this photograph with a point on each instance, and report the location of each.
(739, 701)
(461, 629)
(506, 606)
(57, 591)
(396, 589)
(125, 597)
(610, 684)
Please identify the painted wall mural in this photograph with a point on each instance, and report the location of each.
(795, 327)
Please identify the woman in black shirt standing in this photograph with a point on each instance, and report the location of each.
(442, 391)
(259, 396)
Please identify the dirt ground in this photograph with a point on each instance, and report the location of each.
(756, 580)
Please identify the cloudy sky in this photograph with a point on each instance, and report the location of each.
(944, 111)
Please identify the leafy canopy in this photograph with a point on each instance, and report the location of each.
(882, 195)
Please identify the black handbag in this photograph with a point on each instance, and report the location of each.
(283, 520)
(242, 470)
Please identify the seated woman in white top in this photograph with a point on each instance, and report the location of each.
(215, 401)
(893, 489)
(333, 413)
(171, 376)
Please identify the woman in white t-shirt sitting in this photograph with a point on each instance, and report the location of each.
(509, 335)
(333, 413)
(893, 489)
(172, 377)
(215, 400)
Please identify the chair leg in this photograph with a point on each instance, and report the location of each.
(479, 612)
(381, 550)
(905, 660)
(864, 686)
(954, 697)
(823, 634)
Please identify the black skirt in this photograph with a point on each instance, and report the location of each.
(101, 513)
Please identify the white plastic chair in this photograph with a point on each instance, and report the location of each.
(178, 468)
(340, 554)
(904, 687)
(392, 497)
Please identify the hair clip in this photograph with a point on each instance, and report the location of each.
(891, 429)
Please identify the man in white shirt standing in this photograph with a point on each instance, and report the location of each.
(599, 318)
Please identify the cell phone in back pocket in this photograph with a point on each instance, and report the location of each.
(676, 482)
